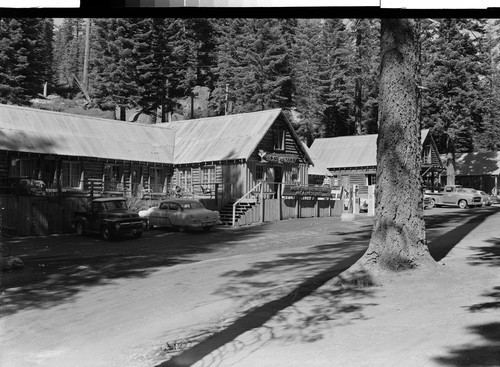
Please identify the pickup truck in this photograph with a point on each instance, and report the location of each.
(455, 195)
(109, 217)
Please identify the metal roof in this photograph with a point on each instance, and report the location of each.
(221, 138)
(476, 164)
(39, 131)
(319, 168)
(349, 151)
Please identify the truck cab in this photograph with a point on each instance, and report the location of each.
(109, 217)
(455, 195)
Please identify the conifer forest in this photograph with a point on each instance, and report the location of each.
(322, 72)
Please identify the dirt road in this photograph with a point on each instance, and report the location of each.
(135, 302)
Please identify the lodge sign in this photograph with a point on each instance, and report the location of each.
(280, 158)
(304, 190)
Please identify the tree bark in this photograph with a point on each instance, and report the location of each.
(398, 240)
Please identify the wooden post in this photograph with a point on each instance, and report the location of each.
(262, 203)
(297, 207)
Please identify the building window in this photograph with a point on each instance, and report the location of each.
(259, 172)
(279, 139)
(426, 155)
(112, 177)
(207, 174)
(185, 179)
(24, 167)
(156, 179)
(70, 174)
(371, 179)
(292, 175)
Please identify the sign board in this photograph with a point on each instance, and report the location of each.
(303, 190)
(281, 158)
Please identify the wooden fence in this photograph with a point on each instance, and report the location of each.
(38, 215)
(291, 208)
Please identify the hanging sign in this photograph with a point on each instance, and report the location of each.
(280, 158)
(304, 190)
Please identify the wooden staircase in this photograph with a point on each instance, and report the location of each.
(226, 214)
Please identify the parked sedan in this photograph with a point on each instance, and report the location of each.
(486, 199)
(181, 214)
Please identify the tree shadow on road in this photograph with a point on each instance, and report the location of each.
(486, 353)
(270, 291)
(440, 246)
(57, 268)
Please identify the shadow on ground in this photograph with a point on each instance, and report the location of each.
(486, 352)
(58, 267)
(269, 295)
(452, 229)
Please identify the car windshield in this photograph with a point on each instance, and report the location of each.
(115, 204)
(192, 205)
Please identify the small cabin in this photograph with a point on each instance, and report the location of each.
(353, 159)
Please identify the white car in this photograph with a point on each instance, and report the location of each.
(181, 214)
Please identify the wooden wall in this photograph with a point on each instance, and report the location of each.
(38, 216)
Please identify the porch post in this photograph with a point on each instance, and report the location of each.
(262, 203)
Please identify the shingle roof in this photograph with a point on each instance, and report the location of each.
(38, 131)
(349, 151)
(477, 164)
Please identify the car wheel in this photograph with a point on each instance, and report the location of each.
(182, 229)
(432, 204)
(105, 233)
(462, 204)
(207, 228)
(138, 234)
(80, 230)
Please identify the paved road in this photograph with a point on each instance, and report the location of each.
(81, 301)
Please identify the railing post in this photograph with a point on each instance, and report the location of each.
(261, 211)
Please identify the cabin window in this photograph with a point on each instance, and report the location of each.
(292, 175)
(207, 174)
(185, 179)
(371, 179)
(279, 139)
(70, 174)
(156, 178)
(24, 167)
(113, 177)
(426, 154)
(259, 172)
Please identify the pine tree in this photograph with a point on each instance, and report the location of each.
(25, 62)
(254, 61)
(456, 94)
(69, 53)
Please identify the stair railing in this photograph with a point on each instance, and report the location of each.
(243, 197)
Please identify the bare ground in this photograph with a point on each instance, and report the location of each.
(269, 307)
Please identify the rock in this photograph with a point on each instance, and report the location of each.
(11, 263)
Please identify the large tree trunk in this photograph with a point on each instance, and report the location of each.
(398, 239)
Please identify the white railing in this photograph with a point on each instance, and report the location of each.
(243, 197)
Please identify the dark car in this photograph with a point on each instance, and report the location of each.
(109, 217)
(181, 214)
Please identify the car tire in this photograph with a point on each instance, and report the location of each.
(207, 228)
(432, 205)
(80, 229)
(462, 204)
(138, 234)
(181, 229)
(106, 233)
